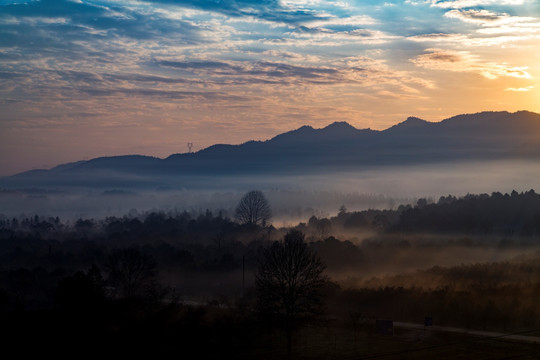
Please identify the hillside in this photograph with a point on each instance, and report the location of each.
(337, 147)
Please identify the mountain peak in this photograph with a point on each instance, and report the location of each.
(414, 121)
(304, 128)
(411, 122)
(340, 126)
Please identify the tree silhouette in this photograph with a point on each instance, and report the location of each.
(253, 209)
(132, 272)
(289, 281)
(82, 291)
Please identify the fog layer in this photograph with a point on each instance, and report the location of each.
(292, 198)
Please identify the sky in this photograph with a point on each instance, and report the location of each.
(81, 79)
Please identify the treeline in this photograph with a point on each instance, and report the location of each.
(493, 295)
(199, 242)
(497, 215)
(151, 224)
(501, 215)
(129, 283)
(207, 251)
(37, 254)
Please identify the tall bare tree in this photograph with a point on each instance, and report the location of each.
(132, 272)
(253, 209)
(289, 281)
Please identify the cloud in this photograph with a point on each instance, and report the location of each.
(458, 4)
(521, 89)
(159, 93)
(464, 61)
(61, 23)
(438, 37)
(353, 21)
(481, 17)
(200, 64)
(496, 23)
(271, 10)
(492, 28)
(8, 75)
(468, 40)
(302, 61)
(198, 53)
(354, 71)
(260, 71)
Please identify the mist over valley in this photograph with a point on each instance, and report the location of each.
(269, 180)
(421, 220)
(303, 172)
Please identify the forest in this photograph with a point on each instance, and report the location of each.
(190, 282)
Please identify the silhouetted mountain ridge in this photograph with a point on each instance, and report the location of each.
(338, 146)
(411, 122)
(118, 163)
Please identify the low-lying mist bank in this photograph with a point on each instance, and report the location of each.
(293, 198)
(385, 260)
(381, 264)
(289, 207)
(394, 237)
(471, 262)
(355, 246)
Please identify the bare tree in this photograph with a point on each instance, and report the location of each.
(253, 209)
(289, 281)
(132, 272)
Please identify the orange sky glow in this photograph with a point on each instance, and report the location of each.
(85, 79)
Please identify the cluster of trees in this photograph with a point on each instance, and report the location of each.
(496, 296)
(515, 214)
(121, 309)
(289, 278)
(504, 215)
(253, 210)
(157, 224)
(120, 276)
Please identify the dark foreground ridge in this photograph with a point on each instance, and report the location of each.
(202, 286)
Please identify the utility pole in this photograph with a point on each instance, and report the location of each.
(243, 274)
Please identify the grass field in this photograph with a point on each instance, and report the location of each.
(335, 341)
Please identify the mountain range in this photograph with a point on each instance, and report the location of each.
(482, 136)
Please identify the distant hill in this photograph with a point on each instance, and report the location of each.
(339, 146)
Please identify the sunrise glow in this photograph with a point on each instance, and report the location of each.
(81, 79)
